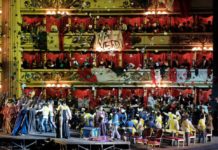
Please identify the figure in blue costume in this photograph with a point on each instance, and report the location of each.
(115, 123)
(130, 126)
(21, 123)
(122, 117)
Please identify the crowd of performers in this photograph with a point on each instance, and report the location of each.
(34, 114)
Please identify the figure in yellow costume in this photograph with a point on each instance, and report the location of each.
(202, 129)
(172, 121)
(187, 127)
(159, 121)
(140, 126)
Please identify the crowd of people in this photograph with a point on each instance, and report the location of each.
(117, 119)
(72, 63)
(148, 26)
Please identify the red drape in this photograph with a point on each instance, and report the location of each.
(111, 21)
(157, 56)
(85, 21)
(54, 56)
(107, 56)
(206, 19)
(128, 92)
(136, 59)
(175, 92)
(107, 91)
(86, 75)
(56, 92)
(208, 55)
(133, 20)
(27, 91)
(182, 5)
(51, 20)
(82, 93)
(178, 20)
(32, 19)
(30, 57)
(182, 56)
(81, 58)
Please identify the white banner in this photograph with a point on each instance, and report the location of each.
(112, 40)
(199, 76)
(181, 75)
(157, 75)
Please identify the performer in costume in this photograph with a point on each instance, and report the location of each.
(51, 115)
(115, 123)
(158, 121)
(66, 117)
(100, 120)
(188, 128)
(21, 123)
(44, 121)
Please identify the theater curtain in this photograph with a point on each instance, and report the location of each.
(208, 55)
(180, 20)
(204, 95)
(29, 57)
(54, 56)
(107, 91)
(51, 20)
(129, 92)
(32, 20)
(157, 56)
(114, 57)
(56, 92)
(182, 6)
(86, 75)
(136, 59)
(111, 21)
(81, 20)
(27, 91)
(176, 92)
(182, 56)
(81, 58)
(205, 19)
(133, 20)
(82, 93)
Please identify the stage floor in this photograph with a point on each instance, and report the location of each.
(27, 141)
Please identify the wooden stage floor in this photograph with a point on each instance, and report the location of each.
(25, 142)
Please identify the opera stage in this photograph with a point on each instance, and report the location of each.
(48, 141)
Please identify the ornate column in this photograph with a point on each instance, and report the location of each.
(6, 55)
(11, 44)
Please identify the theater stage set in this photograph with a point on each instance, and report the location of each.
(94, 48)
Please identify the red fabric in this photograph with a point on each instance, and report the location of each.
(32, 19)
(111, 21)
(178, 20)
(106, 56)
(85, 21)
(107, 91)
(81, 58)
(86, 75)
(54, 56)
(204, 95)
(136, 59)
(29, 57)
(208, 55)
(172, 74)
(175, 92)
(27, 91)
(153, 76)
(132, 21)
(156, 56)
(206, 19)
(82, 93)
(182, 56)
(63, 22)
(51, 20)
(126, 40)
(56, 92)
(128, 92)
